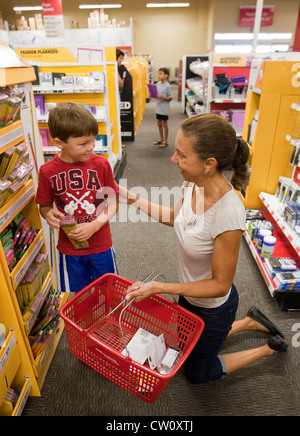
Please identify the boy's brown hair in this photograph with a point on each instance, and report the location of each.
(165, 71)
(71, 120)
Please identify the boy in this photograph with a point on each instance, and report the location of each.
(164, 96)
(79, 183)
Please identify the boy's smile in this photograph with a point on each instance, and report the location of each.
(76, 149)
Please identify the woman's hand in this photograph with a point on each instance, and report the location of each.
(125, 196)
(140, 291)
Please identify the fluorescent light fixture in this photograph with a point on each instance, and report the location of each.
(249, 36)
(168, 5)
(233, 36)
(239, 49)
(27, 8)
(274, 36)
(112, 6)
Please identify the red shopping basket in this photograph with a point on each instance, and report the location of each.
(97, 340)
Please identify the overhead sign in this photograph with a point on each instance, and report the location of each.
(53, 18)
(247, 16)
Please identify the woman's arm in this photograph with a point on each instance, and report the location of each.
(84, 231)
(225, 257)
(160, 213)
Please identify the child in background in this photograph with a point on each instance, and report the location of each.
(164, 96)
(82, 186)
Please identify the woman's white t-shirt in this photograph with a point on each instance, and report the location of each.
(196, 235)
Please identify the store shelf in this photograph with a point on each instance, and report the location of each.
(16, 204)
(260, 263)
(8, 409)
(274, 112)
(276, 209)
(288, 299)
(37, 304)
(10, 361)
(11, 135)
(20, 368)
(103, 99)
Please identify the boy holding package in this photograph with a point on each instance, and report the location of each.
(82, 186)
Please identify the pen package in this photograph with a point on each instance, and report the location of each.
(68, 224)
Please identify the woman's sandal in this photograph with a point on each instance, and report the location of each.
(163, 145)
(157, 143)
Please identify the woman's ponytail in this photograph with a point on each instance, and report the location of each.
(241, 174)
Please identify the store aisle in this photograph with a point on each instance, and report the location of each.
(270, 387)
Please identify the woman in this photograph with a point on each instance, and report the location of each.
(209, 221)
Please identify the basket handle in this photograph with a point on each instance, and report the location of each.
(123, 310)
(131, 301)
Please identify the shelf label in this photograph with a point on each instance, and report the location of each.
(7, 352)
(25, 398)
(15, 207)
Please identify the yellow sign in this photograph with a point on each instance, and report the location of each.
(47, 55)
(232, 60)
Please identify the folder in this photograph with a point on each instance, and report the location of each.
(152, 90)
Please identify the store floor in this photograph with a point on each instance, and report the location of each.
(269, 387)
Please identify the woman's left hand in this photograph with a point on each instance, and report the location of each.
(140, 291)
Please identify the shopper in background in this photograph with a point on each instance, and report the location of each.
(164, 96)
(209, 221)
(121, 69)
(79, 183)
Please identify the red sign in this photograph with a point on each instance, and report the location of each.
(52, 7)
(247, 16)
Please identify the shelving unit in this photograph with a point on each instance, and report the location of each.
(105, 99)
(275, 98)
(186, 100)
(19, 367)
(231, 105)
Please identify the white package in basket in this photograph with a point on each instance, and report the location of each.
(145, 345)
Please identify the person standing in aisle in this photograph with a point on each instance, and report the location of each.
(82, 186)
(164, 96)
(121, 70)
(209, 220)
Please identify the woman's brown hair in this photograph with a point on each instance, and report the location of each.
(213, 136)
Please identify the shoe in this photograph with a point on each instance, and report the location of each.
(277, 343)
(163, 145)
(258, 316)
(157, 143)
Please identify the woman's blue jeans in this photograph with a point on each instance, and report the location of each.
(204, 364)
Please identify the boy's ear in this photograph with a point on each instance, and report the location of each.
(58, 143)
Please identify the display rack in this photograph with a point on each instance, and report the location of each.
(106, 99)
(20, 368)
(232, 104)
(272, 112)
(271, 103)
(187, 101)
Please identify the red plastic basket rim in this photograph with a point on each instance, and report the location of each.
(117, 354)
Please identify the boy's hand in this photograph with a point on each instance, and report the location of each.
(53, 218)
(85, 231)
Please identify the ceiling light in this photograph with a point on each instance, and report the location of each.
(112, 6)
(168, 5)
(27, 8)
